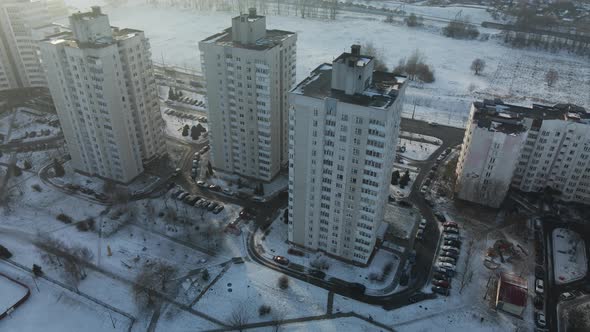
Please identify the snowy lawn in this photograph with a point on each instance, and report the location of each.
(249, 286)
(11, 292)
(415, 150)
(275, 243)
(401, 220)
(175, 124)
(569, 256)
(52, 309)
(326, 325)
(27, 122)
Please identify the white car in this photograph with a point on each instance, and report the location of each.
(566, 296)
(201, 183)
(446, 266)
(539, 286)
(422, 224)
(258, 199)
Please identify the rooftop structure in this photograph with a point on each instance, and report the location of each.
(511, 295)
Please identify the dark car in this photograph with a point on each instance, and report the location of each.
(440, 290)
(5, 253)
(214, 187)
(539, 272)
(404, 204)
(440, 217)
(538, 302)
(281, 260)
(440, 276)
(420, 297)
(441, 283)
(317, 274)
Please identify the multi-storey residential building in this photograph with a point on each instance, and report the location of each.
(343, 132)
(19, 59)
(249, 71)
(105, 95)
(542, 146)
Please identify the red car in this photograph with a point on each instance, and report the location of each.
(451, 224)
(281, 260)
(441, 283)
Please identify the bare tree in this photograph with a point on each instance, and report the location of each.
(551, 77)
(283, 282)
(478, 65)
(278, 317)
(155, 278)
(239, 317)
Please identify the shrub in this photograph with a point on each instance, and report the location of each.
(264, 310)
(205, 275)
(36, 188)
(64, 218)
(283, 282)
(461, 29)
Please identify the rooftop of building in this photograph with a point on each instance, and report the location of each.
(509, 119)
(67, 37)
(512, 289)
(381, 94)
(272, 39)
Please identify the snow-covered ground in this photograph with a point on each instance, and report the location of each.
(569, 256)
(395, 190)
(26, 122)
(513, 74)
(175, 124)
(401, 220)
(11, 292)
(275, 243)
(51, 309)
(415, 150)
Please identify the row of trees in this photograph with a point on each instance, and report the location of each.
(321, 9)
(71, 260)
(195, 131)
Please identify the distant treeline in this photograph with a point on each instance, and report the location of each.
(320, 9)
(552, 40)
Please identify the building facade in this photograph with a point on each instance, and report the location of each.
(20, 66)
(533, 148)
(105, 94)
(249, 71)
(343, 131)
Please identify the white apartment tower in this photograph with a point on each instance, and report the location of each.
(105, 95)
(19, 53)
(528, 149)
(343, 131)
(249, 71)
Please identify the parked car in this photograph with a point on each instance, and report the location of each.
(281, 260)
(211, 206)
(449, 260)
(453, 243)
(440, 276)
(447, 266)
(540, 319)
(451, 249)
(452, 254)
(451, 224)
(566, 296)
(441, 283)
(538, 301)
(218, 209)
(246, 213)
(214, 187)
(420, 234)
(228, 191)
(448, 236)
(539, 272)
(451, 230)
(181, 196)
(201, 183)
(539, 286)
(447, 272)
(422, 224)
(440, 217)
(196, 203)
(193, 199)
(257, 199)
(175, 193)
(317, 274)
(440, 290)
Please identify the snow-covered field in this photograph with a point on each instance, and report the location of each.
(416, 150)
(11, 293)
(513, 74)
(569, 256)
(26, 122)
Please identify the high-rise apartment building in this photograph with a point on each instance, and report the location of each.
(249, 71)
(525, 148)
(344, 125)
(19, 54)
(106, 97)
